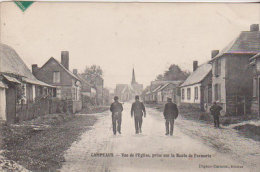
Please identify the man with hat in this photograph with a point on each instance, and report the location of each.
(170, 114)
(138, 111)
(215, 112)
(116, 108)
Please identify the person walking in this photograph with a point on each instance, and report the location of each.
(138, 111)
(215, 112)
(170, 113)
(116, 108)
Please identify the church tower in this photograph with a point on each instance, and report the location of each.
(133, 77)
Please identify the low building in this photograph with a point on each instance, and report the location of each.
(58, 74)
(232, 82)
(19, 89)
(158, 91)
(196, 89)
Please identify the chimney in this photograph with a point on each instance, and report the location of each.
(75, 71)
(34, 69)
(65, 59)
(214, 53)
(195, 65)
(254, 27)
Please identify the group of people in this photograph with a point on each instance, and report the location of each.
(138, 112)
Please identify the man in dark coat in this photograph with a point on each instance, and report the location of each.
(215, 112)
(116, 108)
(170, 114)
(138, 111)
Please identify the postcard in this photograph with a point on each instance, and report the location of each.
(129, 86)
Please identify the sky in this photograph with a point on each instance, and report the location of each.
(120, 36)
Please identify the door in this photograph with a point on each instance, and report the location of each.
(11, 104)
(2, 104)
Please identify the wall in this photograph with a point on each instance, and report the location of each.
(239, 84)
(76, 106)
(2, 104)
(45, 74)
(220, 80)
(192, 95)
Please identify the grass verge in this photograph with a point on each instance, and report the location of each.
(42, 148)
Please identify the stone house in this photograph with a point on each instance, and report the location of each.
(18, 87)
(196, 89)
(232, 82)
(58, 74)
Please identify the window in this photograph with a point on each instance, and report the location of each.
(56, 77)
(58, 93)
(217, 67)
(196, 91)
(183, 94)
(217, 90)
(188, 93)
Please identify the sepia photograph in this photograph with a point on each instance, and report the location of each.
(129, 87)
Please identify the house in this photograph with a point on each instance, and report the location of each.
(158, 91)
(19, 89)
(232, 82)
(58, 74)
(169, 90)
(196, 89)
(255, 66)
(124, 92)
(88, 91)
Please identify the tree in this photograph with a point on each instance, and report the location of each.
(174, 73)
(92, 73)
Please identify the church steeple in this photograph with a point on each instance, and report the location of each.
(133, 77)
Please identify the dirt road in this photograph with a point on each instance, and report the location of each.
(99, 150)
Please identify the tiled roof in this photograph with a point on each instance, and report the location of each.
(198, 75)
(248, 42)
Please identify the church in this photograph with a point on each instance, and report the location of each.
(127, 92)
(137, 88)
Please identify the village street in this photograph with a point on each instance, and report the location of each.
(82, 156)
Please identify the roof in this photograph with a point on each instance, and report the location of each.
(198, 75)
(164, 86)
(3, 85)
(157, 88)
(13, 64)
(248, 42)
(120, 88)
(68, 71)
(254, 57)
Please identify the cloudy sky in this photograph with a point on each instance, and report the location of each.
(120, 36)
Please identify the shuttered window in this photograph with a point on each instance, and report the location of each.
(217, 90)
(188, 93)
(183, 94)
(255, 87)
(196, 91)
(56, 77)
